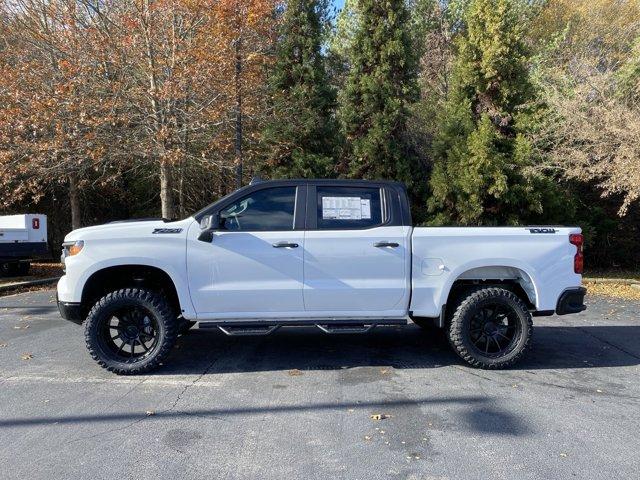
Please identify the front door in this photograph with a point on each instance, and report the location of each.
(356, 258)
(253, 266)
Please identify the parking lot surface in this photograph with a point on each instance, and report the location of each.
(298, 404)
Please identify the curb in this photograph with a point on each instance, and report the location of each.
(620, 281)
(30, 283)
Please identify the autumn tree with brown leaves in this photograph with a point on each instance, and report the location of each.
(91, 89)
(60, 102)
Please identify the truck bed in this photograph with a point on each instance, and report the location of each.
(540, 259)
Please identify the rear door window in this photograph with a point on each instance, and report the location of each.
(346, 208)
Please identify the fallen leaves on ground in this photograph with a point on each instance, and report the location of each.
(379, 416)
(38, 271)
(149, 413)
(616, 290)
(20, 327)
(26, 356)
(295, 373)
(2, 345)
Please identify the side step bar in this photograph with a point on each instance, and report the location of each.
(329, 327)
(240, 331)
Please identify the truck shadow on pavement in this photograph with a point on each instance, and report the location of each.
(477, 414)
(395, 347)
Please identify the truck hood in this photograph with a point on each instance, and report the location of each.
(129, 228)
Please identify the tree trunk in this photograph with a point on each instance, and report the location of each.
(74, 201)
(238, 115)
(181, 209)
(166, 190)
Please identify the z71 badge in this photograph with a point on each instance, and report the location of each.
(167, 230)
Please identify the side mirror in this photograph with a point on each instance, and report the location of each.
(208, 225)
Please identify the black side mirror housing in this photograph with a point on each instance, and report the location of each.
(208, 225)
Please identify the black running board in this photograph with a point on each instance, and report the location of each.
(266, 327)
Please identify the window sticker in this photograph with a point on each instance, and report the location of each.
(346, 208)
(365, 206)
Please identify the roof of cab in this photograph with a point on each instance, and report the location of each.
(326, 181)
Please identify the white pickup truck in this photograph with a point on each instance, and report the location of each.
(338, 254)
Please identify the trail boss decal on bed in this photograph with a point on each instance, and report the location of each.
(167, 230)
(542, 230)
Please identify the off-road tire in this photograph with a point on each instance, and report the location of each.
(155, 304)
(467, 306)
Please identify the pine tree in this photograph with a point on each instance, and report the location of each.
(380, 85)
(482, 159)
(302, 134)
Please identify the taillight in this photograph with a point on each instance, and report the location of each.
(578, 260)
(35, 223)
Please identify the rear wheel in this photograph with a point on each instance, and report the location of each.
(130, 331)
(490, 328)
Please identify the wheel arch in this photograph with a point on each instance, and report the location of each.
(513, 275)
(130, 275)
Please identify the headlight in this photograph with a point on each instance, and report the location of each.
(69, 249)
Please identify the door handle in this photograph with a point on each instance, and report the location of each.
(284, 245)
(386, 244)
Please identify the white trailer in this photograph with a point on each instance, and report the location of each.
(22, 238)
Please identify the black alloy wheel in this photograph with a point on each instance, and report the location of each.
(494, 329)
(130, 334)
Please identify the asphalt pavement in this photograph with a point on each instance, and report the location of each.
(298, 404)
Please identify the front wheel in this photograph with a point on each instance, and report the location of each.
(130, 331)
(491, 328)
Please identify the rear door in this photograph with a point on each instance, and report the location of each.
(356, 252)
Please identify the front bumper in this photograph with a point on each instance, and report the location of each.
(571, 301)
(71, 311)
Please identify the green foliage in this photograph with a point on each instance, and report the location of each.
(302, 134)
(484, 168)
(629, 77)
(380, 85)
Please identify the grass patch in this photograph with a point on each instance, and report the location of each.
(615, 290)
(612, 273)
